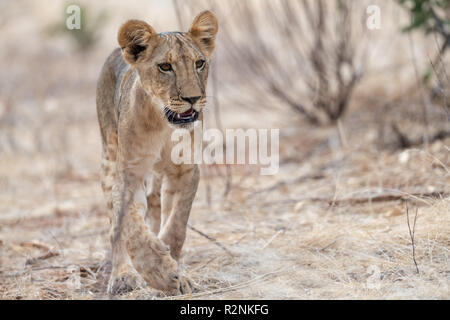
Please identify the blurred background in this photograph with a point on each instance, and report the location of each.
(359, 89)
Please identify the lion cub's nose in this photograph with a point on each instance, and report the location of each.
(191, 100)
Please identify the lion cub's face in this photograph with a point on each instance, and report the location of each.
(172, 66)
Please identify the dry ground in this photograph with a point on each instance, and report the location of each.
(330, 225)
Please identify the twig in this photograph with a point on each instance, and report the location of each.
(204, 264)
(86, 235)
(411, 234)
(36, 245)
(342, 135)
(213, 240)
(234, 287)
(54, 238)
(328, 245)
(14, 273)
(272, 238)
(380, 197)
(46, 256)
(285, 183)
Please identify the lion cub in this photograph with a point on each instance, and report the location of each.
(151, 85)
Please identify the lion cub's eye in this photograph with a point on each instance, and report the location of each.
(165, 67)
(200, 64)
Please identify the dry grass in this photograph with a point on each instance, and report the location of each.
(284, 244)
(331, 225)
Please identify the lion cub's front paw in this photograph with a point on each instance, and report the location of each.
(162, 275)
(187, 286)
(122, 283)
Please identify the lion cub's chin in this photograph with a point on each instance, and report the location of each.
(187, 126)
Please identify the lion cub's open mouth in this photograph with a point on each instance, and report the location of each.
(178, 118)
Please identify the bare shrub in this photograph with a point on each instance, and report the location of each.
(300, 55)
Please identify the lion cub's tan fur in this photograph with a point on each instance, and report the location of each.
(149, 197)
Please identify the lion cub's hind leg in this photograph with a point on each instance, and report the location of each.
(153, 216)
(123, 277)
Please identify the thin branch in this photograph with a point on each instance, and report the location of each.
(412, 233)
(379, 197)
(283, 183)
(241, 285)
(213, 240)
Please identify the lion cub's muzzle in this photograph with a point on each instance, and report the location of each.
(181, 118)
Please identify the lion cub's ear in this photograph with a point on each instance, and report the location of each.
(203, 31)
(135, 37)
